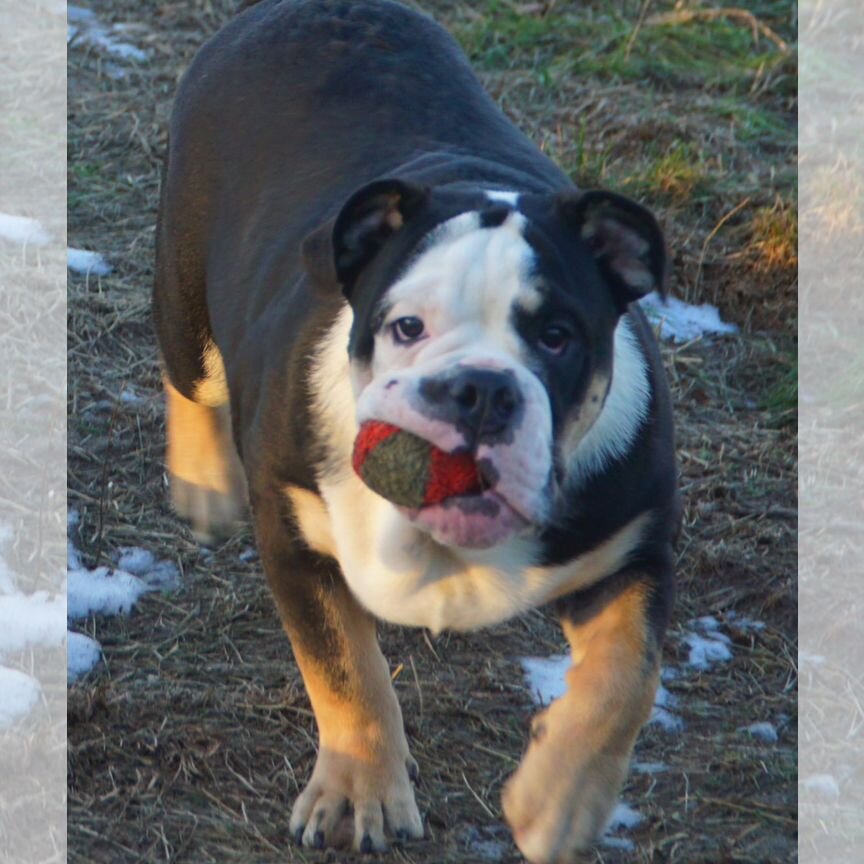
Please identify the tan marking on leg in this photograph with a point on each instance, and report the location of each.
(312, 520)
(208, 487)
(363, 757)
(564, 791)
(212, 389)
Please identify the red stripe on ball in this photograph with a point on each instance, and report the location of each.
(372, 433)
(451, 474)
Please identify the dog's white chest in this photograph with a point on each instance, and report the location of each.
(400, 575)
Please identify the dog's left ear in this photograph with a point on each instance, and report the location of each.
(624, 238)
(339, 250)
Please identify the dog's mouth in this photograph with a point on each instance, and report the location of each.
(453, 496)
(474, 521)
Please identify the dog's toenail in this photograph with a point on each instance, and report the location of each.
(318, 840)
(298, 835)
(413, 770)
(366, 845)
(402, 835)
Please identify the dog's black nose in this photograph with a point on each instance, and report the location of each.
(482, 402)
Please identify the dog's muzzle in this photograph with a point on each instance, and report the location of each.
(497, 412)
(483, 404)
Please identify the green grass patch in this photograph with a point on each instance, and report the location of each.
(504, 38)
(713, 55)
(603, 42)
(676, 176)
(753, 125)
(781, 397)
(83, 171)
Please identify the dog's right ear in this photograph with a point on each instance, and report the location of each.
(339, 250)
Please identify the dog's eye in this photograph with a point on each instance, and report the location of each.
(407, 330)
(554, 338)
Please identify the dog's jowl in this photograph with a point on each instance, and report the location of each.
(351, 233)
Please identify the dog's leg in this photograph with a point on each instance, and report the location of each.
(563, 793)
(363, 762)
(207, 483)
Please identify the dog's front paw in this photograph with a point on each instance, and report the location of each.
(357, 802)
(560, 799)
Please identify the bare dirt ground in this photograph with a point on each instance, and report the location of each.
(191, 740)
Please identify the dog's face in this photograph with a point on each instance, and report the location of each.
(486, 323)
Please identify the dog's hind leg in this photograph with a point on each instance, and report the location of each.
(207, 483)
(206, 477)
(360, 789)
(568, 782)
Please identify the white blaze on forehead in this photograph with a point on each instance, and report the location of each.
(511, 198)
(469, 277)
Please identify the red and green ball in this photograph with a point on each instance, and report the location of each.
(408, 470)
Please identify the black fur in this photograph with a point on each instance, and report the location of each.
(289, 111)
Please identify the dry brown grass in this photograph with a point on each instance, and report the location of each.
(192, 739)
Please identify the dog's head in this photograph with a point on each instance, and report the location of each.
(486, 322)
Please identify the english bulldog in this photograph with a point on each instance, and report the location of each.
(350, 229)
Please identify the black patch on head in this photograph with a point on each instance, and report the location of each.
(574, 295)
(494, 216)
(368, 294)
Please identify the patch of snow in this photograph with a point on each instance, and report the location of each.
(130, 397)
(73, 559)
(764, 731)
(108, 591)
(86, 262)
(666, 720)
(136, 561)
(650, 767)
(663, 698)
(82, 654)
(742, 622)
(624, 843)
(165, 576)
(823, 785)
(102, 591)
(682, 322)
(86, 28)
(249, 554)
(668, 673)
(546, 677)
(19, 693)
(161, 574)
(31, 619)
(661, 715)
(23, 230)
(623, 817)
(705, 652)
